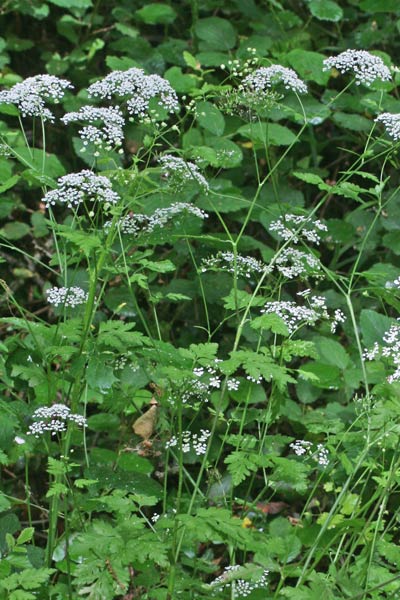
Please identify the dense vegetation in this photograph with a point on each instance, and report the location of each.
(199, 260)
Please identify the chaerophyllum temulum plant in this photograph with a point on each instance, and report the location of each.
(204, 401)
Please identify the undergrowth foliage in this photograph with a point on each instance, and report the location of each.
(200, 353)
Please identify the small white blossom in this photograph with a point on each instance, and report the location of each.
(105, 129)
(227, 261)
(390, 349)
(55, 419)
(317, 452)
(266, 77)
(30, 95)
(392, 124)
(137, 89)
(134, 224)
(295, 316)
(191, 441)
(73, 296)
(179, 171)
(365, 66)
(292, 263)
(288, 228)
(74, 188)
(242, 587)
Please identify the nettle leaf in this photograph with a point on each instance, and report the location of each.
(156, 13)
(325, 10)
(210, 118)
(216, 33)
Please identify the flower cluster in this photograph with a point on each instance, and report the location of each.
(390, 350)
(180, 171)
(74, 188)
(266, 77)
(365, 66)
(292, 263)
(191, 441)
(295, 227)
(105, 129)
(140, 223)
(317, 452)
(227, 261)
(201, 384)
(392, 124)
(62, 296)
(30, 95)
(137, 89)
(243, 587)
(296, 316)
(55, 419)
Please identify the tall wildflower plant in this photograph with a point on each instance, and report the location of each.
(201, 396)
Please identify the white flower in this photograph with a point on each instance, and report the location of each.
(180, 171)
(295, 315)
(392, 124)
(54, 419)
(226, 261)
(137, 89)
(105, 129)
(242, 587)
(191, 441)
(365, 66)
(266, 77)
(292, 262)
(31, 95)
(295, 227)
(73, 296)
(317, 452)
(74, 188)
(389, 349)
(139, 223)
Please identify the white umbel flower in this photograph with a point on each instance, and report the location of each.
(55, 419)
(63, 296)
(365, 66)
(179, 171)
(76, 188)
(30, 95)
(105, 129)
(392, 124)
(137, 89)
(267, 77)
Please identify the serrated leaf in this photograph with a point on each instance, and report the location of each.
(269, 134)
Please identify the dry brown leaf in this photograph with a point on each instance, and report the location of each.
(144, 426)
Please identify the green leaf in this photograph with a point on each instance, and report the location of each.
(373, 326)
(156, 13)
(268, 134)
(15, 230)
(325, 10)
(103, 422)
(352, 122)
(331, 352)
(379, 6)
(210, 118)
(308, 65)
(9, 183)
(180, 82)
(25, 535)
(72, 4)
(99, 375)
(216, 33)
